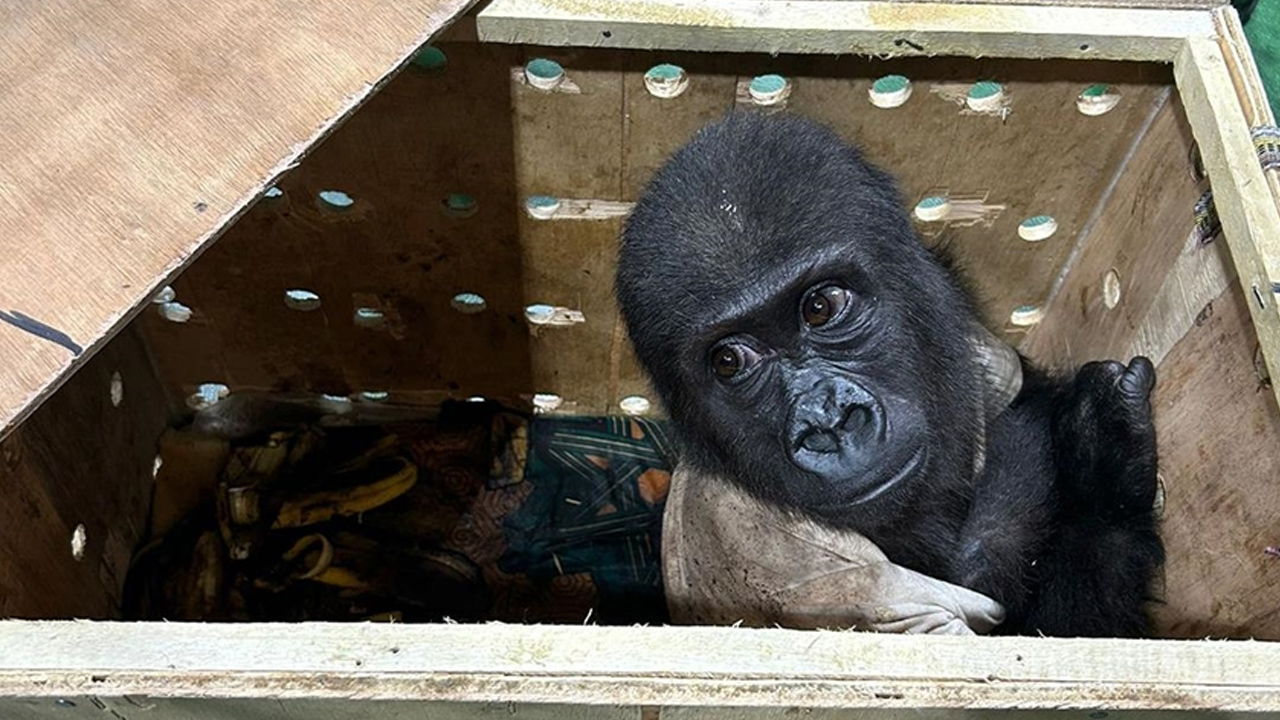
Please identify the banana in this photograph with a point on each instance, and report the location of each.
(319, 507)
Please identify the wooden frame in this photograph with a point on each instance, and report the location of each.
(199, 671)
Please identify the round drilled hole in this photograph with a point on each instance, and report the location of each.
(174, 312)
(635, 405)
(542, 207)
(985, 96)
(1097, 99)
(933, 208)
(1026, 315)
(431, 59)
(666, 81)
(539, 313)
(336, 200)
(544, 74)
(460, 205)
(79, 542)
(1037, 228)
(165, 295)
(547, 402)
(890, 91)
(469, 303)
(273, 193)
(769, 89)
(301, 300)
(117, 389)
(368, 317)
(1111, 289)
(206, 395)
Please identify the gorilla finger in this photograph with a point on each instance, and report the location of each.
(1140, 378)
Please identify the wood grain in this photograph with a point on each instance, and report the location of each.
(80, 459)
(835, 27)
(574, 665)
(136, 131)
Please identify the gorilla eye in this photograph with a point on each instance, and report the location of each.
(822, 305)
(730, 359)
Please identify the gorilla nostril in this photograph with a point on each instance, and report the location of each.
(820, 441)
(859, 421)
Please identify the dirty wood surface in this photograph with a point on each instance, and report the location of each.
(80, 459)
(135, 131)
(698, 666)
(887, 29)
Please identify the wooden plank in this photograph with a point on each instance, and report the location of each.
(858, 27)
(136, 131)
(697, 666)
(1218, 426)
(1242, 196)
(81, 460)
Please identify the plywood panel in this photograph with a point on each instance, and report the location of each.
(1218, 427)
(82, 459)
(134, 131)
(1144, 226)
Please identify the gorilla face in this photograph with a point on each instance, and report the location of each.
(803, 341)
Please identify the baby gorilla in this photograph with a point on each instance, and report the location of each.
(808, 346)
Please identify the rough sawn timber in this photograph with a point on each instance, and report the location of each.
(135, 131)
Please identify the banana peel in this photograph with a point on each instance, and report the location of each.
(322, 506)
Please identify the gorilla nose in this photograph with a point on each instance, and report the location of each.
(820, 441)
(835, 416)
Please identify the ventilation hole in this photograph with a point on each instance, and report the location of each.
(544, 74)
(460, 205)
(430, 58)
(302, 300)
(1111, 289)
(890, 91)
(175, 312)
(273, 192)
(933, 208)
(336, 199)
(635, 405)
(477, 399)
(369, 317)
(1026, 315)
(469, 303)
(1097, 100)
(79, 541)
(165, 295)
(769, 89)
(1037, 228)
(984, 96)
(374, 395)
(542, 207)
(335, 404)
(547, 402)
(117, 389)
(206, 395)
(666, 81)
(539, 314)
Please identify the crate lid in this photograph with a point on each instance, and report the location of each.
(135, 131)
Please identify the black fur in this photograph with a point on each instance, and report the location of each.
(870, 420)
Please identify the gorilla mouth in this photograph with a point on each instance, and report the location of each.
(909, 468)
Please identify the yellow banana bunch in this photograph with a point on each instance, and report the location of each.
(317, 507)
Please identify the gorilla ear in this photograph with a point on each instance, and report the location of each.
(1001, 369)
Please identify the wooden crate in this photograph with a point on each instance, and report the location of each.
(138, 133)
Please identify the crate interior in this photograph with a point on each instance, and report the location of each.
(398, 268)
